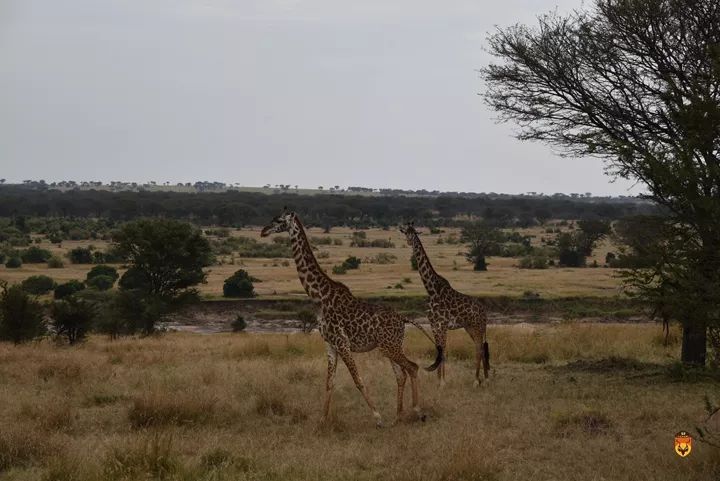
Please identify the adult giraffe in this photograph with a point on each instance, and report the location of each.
(348, 324)
(449, 309)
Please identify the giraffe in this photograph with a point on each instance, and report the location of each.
(449, 309)
(348, 324)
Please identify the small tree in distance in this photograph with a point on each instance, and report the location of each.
(240, 284)
(21, 317)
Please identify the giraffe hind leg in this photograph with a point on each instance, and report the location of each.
(330, 380)
(478, 338)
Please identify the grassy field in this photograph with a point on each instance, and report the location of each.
(372, 279)
(564, 402)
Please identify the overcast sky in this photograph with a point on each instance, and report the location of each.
(377, 93)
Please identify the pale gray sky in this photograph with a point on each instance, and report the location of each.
(375, 93)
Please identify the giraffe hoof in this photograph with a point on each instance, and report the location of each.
(423, 417)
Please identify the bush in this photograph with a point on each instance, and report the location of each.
(239, 324)
(321, 241)
(101, 283)
(55, 263)
(72, 318)
(240, 284)
(38, 285)
(103, 270)
(35, 255)
(81, 255)
(13, 262)
(308, 319)
(341, 269)
(337, 241)
(21, 317)
(351, 262)
(533, 262)
(68, 289)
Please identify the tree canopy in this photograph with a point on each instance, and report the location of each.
(637, 83)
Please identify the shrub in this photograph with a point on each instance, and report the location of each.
(68, 289)
(321, 241)
(35, 255)
(103, 270)
(13, 262)
(101, 283)
(533, 262)
(239, 324)
(308, 319)
(240, 284)
(322, 255)
(55, 263)
(337, 241)
(81, 255)
(351, 262)
(21, 317)
(341, 269)
(38, 285)
(72, 318)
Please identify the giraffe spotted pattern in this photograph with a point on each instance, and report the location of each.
(348, 324)
(449, 309)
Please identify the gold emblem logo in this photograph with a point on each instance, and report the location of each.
(683, 444)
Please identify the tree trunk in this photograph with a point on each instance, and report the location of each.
(694, 343)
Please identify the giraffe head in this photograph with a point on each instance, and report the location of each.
(409, 231)
(281, 223)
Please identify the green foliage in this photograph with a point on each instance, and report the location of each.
(13, 262)
(661, 133)
(484, 239)
(166, 259)
(240, 284)
(339, 269)
(351, 262)
(239, 324)
(81, 255)
(55, 262)
(533, 262)
(570, 250)
(103, 270)
(38, 285)
(72, 318)
(101, 282)
(35, 255)
(166, 255)
(21, 317)
(68, 288)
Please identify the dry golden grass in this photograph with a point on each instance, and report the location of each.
(565, 402)
(280, 278)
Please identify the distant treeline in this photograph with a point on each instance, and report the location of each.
(233, 208)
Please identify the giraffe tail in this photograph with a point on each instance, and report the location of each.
(438, 347)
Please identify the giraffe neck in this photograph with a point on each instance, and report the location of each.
(433, 281)
(315, 282)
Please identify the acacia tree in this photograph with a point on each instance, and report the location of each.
(637, 83)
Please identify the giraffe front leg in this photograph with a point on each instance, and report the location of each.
(346, 356)
(329, 381)
(478, 337)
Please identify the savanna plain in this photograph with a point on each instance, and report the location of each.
(566, 400)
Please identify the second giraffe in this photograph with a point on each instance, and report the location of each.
(450, 309)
